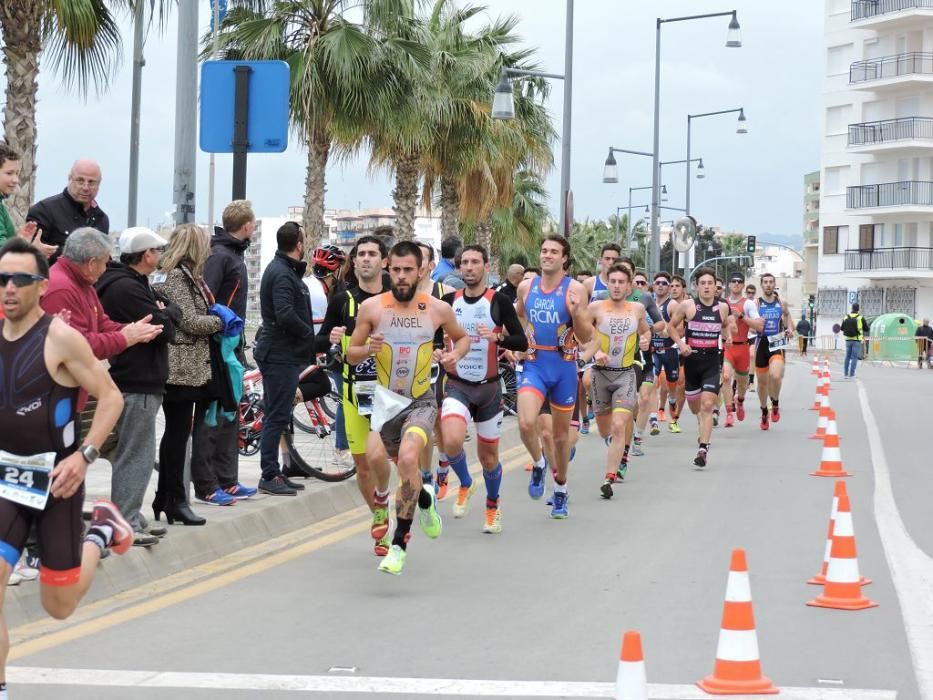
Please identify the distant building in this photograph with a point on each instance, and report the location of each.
(811, 230)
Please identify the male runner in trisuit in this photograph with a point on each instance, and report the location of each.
(675, 396)
(705, 322)
(619, 325)
(664, 352)
(750, 292)
(597, 287)
(397, 329)
(369, 262)
(43, 365)
(552, 308)
(736, 361)
(769, 364)
(473, 389)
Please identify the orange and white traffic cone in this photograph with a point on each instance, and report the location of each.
(819, 393)
(820, 578)
(843, 588)
(816, 367)
(738, 666)
(631, 678)
(831, 460)
(823, 421)
(827, 379)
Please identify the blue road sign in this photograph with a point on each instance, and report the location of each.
(268, 106)
(221, 10)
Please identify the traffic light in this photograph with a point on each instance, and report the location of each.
(811, 302)
(750, 244)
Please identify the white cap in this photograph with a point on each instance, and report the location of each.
(138, 239)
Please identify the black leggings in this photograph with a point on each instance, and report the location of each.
(181, 415)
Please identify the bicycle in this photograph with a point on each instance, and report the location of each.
(313, 452)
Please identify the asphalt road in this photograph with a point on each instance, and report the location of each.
(548, 600)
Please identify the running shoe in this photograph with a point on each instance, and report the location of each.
(106, 513)
(25, 572)
(14, 580)
(621, 471)
(585, 428)
(740, 410)
(764, 421)
(590, 415)
(730, 420)
(700, 459)
(536, 484)
(559, 511)
(716, 418)
(394, 561)
(429, 518)
(440, 488)
(382, 545)
(217, 498)
(573, 453)
(662, 416)
(655, 428)
(240, 492)
(380, 525)
(606, 488)
(674, 426)
(492, 524)
(637, 451)
(775, 414)
(462, 506)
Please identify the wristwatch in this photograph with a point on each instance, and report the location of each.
(90, 453)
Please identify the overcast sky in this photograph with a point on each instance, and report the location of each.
(754, 182)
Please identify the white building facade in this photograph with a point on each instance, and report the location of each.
(876, 189)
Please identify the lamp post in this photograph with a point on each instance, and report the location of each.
(628, 236)
(733, 40)
(503, 108)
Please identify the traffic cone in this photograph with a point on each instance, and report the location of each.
(823, 419)
(820, 578)
(738, 666)
(819, 393)
(631, 679)
(827, 379)
(816, 367)
(831, 461)
(843, 588)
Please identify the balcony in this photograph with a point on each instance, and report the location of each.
(888, 135)
(890, 262)
(889, 14)
(903, 70)
(905, 197)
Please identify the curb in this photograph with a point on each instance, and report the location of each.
(187, 547)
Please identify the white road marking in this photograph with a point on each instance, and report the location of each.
(911, 568)
(73, 677)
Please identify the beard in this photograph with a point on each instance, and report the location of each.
(404, 295)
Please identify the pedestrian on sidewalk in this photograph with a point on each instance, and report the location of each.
(10, 164)
(803, 333)
(140, 372)
(924, 336)
(854, 328)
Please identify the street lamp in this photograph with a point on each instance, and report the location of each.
(733, 40)
(611, 168)
(503, 107)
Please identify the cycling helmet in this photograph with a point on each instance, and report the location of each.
(327, 260)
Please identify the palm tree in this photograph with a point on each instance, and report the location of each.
(340, 78)
(81, 38)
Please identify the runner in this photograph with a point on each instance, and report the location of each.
(750, 292)
(664, 353)
(769, 353)
(597, 287)
(674, 395)
(705, 321)
(369, 261)
(397, 329)
(473, 389)
(737, 361)
(618, 324)
(45, 363)
(551, 306)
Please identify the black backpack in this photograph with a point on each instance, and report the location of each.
(850, 327)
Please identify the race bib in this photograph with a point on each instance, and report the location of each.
(778, 342)
(386, 405)
(363, 391)
(26, 480)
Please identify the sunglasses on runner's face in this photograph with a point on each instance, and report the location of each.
(641, 283)
(662, 283)
(20, 279)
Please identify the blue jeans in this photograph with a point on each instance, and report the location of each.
(853, 353)
(341, 441)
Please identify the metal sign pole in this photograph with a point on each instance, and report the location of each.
(240, 127)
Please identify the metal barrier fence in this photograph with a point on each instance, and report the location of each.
(877, 350)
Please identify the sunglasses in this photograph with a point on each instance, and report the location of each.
(736, 281)
(641, 283)
(20, 279)
(662, 283)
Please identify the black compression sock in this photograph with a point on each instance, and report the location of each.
(402, 529)
(424, 499)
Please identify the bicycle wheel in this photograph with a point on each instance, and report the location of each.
(328, 406)
(314, 453)
(508, 381)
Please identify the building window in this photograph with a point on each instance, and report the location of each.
(838, 59)
(866, 237)
(830, 240)
(831, 302)
(837, 119)
(833, 180)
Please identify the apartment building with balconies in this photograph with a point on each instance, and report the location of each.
(875, 243)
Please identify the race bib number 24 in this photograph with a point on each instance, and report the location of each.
(26, 480)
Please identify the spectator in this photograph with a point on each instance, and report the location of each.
(215, 457)
(192, 384)
(854, 327)
(924, 335)
(450, 249)
(803, 333)
(284, 347)
(513, 278)
(10, 164)
(76, 207)
(139, 372)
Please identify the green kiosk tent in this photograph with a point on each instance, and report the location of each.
(892, 338)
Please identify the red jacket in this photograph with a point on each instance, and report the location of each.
(68, 290)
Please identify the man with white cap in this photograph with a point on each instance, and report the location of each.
(140, 371)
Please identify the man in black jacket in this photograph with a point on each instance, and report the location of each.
(284, 347)
(139, 371)
(214, 450)
(73, 208)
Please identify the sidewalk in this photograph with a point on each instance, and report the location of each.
(228, 530)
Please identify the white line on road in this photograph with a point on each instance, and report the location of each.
(911, 568)
(74, 677)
